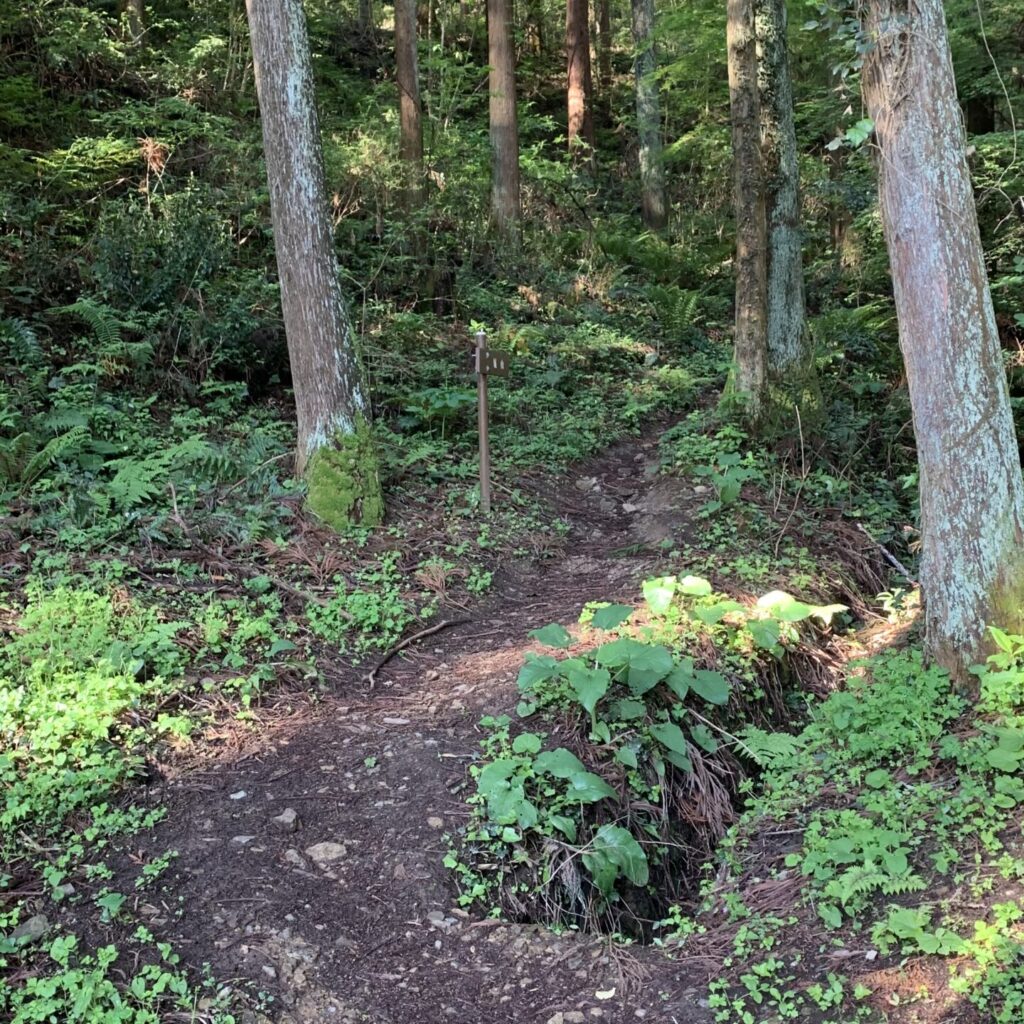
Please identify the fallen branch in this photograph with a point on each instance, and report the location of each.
(888, 556)
(371, 677)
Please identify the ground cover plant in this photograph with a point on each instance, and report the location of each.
(715, 717)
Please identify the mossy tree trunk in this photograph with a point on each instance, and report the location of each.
(790, 355)
(972, 493)
(506, 210)
(749, 380)
(335, 453)
(654, 209)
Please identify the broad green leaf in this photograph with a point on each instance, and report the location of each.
(280, 647)
(601, 732)
(565, 825)
(658, 593)
(506, 803)
(702, 736)
(712, 686)
(526, 743)
(497, 772)
(784, 606)
(877, 779)
(714, 613)
(832, 916)
(646, 664)
(680, 679)
(538, 668)
(669, 735)
(695, 586)
(510, 835)
(1003, 760)
(586, 788)
(681, 761)
(589, 685)
(765, 632)
(612, 850)
(627, 710)
(611, 615)
(525, 708)
(560, 763)
(553, 635)
(627, 756)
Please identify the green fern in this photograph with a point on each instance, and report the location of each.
(101, 320)
(19, 344)
(677, 308)
(22, 461)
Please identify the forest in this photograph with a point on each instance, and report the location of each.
(511, 512)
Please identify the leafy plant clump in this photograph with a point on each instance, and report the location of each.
(600, 815)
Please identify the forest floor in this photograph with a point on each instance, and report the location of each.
(342, 910)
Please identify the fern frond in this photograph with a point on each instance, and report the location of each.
(57, 448)
(19, 344)
(101, 320)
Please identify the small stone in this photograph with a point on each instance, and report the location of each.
(574, 1017)
(558, 1018)
(436, 917)
(242, 840)
(286, 821)
(629, 507)
(240, 795)
(871, 954)
(396, 721)
(701, 489)
(294, 858)
(31, 930)
(269, 971)
(435, 822)
(325, 854)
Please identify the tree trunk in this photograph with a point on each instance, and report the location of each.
(335, 450)
(535, 34)
(410, 143)
(366, 26)
(580, 85)
(972, 493)
(135, 16)
(648, 118)
(751, 341)
(790, 356)
(505, 204)
(604, 56)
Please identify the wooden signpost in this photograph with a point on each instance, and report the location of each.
(486, 363)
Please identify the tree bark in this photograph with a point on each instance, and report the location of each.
(410, 143)
(972, 493)
(648, 118)
(751, 340)
(536, 37)
(604, 55)
(504, 127)
(789, 350)
(580, 84)
(135, 16)
(335, 451)
(366, 26)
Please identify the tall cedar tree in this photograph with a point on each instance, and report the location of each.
(410, 145)
(505, 199)
(790, 357)
(580, 87)
(648, 118)
(972, 493)
(335, 451)
(751, 339)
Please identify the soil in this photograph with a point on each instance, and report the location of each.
(346, 913)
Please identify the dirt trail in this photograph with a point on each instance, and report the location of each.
(346, 913)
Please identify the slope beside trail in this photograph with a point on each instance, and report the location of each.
(310, 866)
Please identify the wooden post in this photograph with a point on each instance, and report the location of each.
(482, 419)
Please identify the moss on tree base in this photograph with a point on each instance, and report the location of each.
(343, 486)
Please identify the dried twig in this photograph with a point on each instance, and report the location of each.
(371, 677)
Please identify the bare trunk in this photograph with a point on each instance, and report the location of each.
(366, 26)
(972, 493)
(505, 204)
(750, 343)
(580, 86)
(648, 118)
(410, 143)
(535, 34)
(604, 55)
(335, 451)
(789, 350)
(135, 17)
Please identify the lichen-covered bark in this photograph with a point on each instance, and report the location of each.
(504, 127)
(407, 75)
(648, 117)
(750, 341)
(329, 398)
(972, 494)
(788, 340)
(580, 89)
